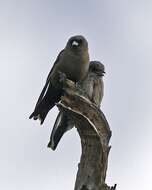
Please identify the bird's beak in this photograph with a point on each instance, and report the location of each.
(75, 43)
(101, 73)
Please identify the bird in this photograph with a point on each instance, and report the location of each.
(73, 62)
(93, 89)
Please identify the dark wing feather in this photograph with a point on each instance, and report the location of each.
(48, 77)
(51, 97)
(48, 97)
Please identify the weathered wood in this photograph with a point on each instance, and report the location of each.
(95, 134)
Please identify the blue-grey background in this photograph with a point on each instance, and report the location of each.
(32, 32)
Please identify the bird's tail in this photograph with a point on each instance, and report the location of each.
(62, 124)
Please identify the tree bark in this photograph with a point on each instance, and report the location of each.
(95, 134)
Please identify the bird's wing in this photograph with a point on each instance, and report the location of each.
(48, 79)
(56, 61)
(51, 97)
(97, 91)
(48, 97)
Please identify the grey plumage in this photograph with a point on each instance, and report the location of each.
(92, 87)
(93, 83)
(73, 61)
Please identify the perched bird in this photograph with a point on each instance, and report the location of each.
(92, 86)
(73, 61)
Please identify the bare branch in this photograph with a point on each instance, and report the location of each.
(95, 134)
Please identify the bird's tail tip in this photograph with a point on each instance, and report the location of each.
(30, 117)
(50, 145)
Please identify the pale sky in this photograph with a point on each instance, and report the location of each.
(32, 33)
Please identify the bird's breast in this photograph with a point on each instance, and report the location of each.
(76, 67)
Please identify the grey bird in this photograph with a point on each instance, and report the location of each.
(93, 89)
(73, 61)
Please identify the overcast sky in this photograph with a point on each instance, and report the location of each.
(32, 33)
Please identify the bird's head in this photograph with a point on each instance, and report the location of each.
(77, 44)
(97, 67)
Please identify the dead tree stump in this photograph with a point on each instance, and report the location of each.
(95, 134)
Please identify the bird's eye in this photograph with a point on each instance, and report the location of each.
(80, 41)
